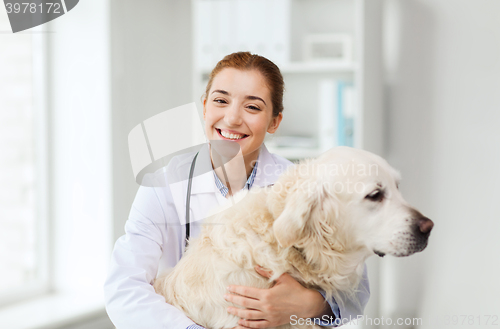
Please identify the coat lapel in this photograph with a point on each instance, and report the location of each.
(268, 170)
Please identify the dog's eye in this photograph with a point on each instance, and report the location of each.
(376, 195)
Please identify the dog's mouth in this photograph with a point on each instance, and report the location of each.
(404, 246)
(412, 248)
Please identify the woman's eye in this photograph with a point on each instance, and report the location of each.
(253, 107)
(220, 101)
(375, 196)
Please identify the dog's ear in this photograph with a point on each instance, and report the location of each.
(291, 202)
(290, 224)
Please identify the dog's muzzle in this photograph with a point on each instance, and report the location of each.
(414, 240)
(421, 229)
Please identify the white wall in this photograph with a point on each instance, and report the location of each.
(443, 101)
(151, 51)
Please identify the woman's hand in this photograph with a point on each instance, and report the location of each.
(274, 306)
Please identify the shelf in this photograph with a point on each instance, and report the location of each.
(318, 67)
(310, 67)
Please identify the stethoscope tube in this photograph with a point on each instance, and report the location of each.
(188, 199)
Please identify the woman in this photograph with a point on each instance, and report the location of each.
(243, 101)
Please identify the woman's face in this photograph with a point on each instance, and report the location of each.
(238, 108)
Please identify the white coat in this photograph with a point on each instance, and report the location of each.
(154, 241)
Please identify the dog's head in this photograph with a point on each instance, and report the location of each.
(346, 200)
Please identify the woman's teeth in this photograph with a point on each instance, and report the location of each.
(230, 135)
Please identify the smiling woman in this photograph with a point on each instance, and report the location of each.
(243, 101)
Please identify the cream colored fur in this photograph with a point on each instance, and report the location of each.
(303, 225)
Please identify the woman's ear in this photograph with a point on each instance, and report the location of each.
(275, 123)
(204, 107)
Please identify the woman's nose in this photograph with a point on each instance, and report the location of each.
(232, 116)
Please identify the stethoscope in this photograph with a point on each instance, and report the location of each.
(188, 198)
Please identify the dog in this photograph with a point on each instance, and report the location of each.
(319, 223)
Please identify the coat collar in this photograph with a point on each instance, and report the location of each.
(267, 171)
(203, 182)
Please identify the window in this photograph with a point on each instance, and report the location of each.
(56, 76)
(23, 242)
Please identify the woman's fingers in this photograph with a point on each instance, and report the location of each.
(242, 301)
(245, 313)
(250, 292)
(254, 324)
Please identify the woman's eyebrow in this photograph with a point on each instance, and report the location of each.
(247, 97)
(221, 91)
(257, 98)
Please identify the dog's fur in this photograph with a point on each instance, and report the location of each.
(319, 223)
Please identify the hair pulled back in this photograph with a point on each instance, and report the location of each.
(248, 61)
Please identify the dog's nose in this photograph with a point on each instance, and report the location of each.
(425, 225)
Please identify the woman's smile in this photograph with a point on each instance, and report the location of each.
(230, 134)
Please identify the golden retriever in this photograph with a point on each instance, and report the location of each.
(320, 222)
